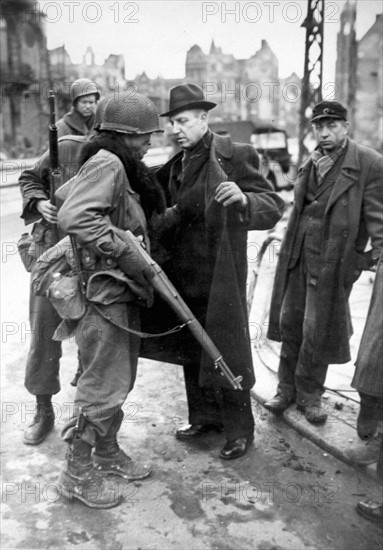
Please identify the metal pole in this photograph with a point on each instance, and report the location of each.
(313, 69)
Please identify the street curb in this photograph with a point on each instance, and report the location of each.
(333, 437)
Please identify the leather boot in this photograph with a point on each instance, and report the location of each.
(368, 417)
(109, 458)
(80, 480)
(43, 421)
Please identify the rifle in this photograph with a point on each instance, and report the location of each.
(55, 172)
(169, 294)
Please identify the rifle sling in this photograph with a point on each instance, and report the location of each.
(177, 328)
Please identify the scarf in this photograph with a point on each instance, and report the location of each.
(324, 162)
(193, 159)
(141, 178)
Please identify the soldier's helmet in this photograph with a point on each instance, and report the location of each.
(82, 87)
(100, 111)
(131, 113)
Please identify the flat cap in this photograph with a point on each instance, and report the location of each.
(329, 109)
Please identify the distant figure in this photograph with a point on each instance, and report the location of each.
(338, 207)
(79, 121)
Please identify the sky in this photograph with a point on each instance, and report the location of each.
(155, 36)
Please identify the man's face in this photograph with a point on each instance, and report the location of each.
(139, 143)
(189, 127)
(86, 105)
(329, 132)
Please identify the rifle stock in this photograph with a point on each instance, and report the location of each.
(54, 173)
(169, 294)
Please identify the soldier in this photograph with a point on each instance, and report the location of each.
(113, 191)
(84, 95)
(42, 368)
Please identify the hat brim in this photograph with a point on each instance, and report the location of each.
(207, 105)
(336, 117)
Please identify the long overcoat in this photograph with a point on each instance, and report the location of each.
(354, 214)
(368, 377)
(226, 312)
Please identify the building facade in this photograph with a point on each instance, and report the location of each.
(359, 82)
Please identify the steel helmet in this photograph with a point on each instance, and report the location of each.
(81, 87)
(131, 113)
(100, 111)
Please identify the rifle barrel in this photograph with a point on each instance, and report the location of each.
(169, 294)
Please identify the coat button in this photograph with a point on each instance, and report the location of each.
(345, 233)
(108, 261)
(345, 202)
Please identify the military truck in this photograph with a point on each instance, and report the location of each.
(267, 139)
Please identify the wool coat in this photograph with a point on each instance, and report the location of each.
(226, 320)
(75, 124)
(353, 215)
(368, 377)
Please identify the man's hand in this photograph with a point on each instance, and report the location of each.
(228, 193)
(47, 210)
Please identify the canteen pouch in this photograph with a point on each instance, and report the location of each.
(55, 259)
(23, 246)
(66, 297)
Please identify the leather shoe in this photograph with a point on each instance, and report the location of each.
(364, 454)
(192, 431)
(278, 403)
(236, 448)
(41, 426)
(371, 510)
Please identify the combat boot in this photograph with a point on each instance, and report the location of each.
(80, 481)
(43, 421)
(109, 458)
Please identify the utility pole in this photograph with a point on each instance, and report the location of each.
(313, 69)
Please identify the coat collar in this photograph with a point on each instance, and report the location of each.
(223, 145)
(348, 176)
(74, 120)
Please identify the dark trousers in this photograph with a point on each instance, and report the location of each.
(223, 407)
(43, 362)
(299, 377)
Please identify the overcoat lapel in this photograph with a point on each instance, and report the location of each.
(348, 176)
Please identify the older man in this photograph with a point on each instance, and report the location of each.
(338, 207)
(216, 195)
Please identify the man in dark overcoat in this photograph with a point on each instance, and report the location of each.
(216, 195)
(338, 208)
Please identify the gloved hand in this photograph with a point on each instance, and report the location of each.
(134, 266)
